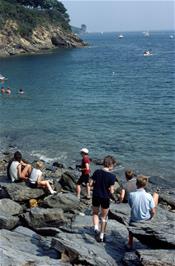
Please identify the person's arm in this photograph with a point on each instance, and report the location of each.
(152, 207)
(39, 178)
(19, 170)
(111, 193)
(87, 167)
(122, 195)
(152, 212)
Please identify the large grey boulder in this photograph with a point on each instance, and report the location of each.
(8, 221)
(25, 247)
(68, 181)
(80, 247)
(21, 192)
(10, 207)
(157, 232)
(64, 201)
(159, 257)
(149, 257)
(40, 217)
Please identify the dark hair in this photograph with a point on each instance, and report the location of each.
(17, 156)
(129, 174)
(141, 181)
(108, 161)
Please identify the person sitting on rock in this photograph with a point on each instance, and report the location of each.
(102, 182)
(36, 179)
(143, 205)
(85, 173)
(17, 169)
(129, 187)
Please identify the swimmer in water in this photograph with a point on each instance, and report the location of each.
(21, 91)
(2, 90)
(8, 91)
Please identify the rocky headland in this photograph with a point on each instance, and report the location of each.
(34, 29)
(42, 229)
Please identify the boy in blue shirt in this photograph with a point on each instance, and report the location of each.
(143, 205)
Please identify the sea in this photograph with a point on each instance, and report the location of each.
(107, 97)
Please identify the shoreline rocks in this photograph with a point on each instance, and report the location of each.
(58, 230)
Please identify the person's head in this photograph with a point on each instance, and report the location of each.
(39, 165)
(109, 162)
(84, 151)
(17, 156)
(129, 174)
(141, 181)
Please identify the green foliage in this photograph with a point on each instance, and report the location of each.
(31, 13)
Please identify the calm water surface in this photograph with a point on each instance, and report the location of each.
(107, 97)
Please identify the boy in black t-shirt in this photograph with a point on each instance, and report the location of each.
(103, 189)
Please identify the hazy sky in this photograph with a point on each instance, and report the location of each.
(122, 15)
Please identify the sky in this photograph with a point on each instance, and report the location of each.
(126, 15)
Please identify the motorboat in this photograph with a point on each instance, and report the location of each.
(120, 36)
(146, 33)
(171, 36)
(147, 53)
(2, 78)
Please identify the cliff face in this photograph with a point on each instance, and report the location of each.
(42, 38)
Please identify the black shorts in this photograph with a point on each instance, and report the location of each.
(33, 185)
(103, 202)
(83, 179)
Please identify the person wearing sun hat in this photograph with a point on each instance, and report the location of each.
(85, 173)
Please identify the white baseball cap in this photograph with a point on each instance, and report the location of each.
(84, 150)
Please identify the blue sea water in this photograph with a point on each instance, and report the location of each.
(107, 97)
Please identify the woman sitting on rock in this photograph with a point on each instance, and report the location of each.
(36, 179)
(17, 169)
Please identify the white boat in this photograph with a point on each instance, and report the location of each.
(146, 33)
(120, 36)
(2, 78)
(171, 36)
(147, 53)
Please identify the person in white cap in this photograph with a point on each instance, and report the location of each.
(85, 173)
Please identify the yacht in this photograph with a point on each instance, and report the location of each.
(120, 36)
(147, 53)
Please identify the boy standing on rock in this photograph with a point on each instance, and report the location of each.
(85, 173)
(103, 189)
(143, 205)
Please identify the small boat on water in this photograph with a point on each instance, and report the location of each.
(147, 53)
(146, 33)
(120, 36)
(171, 36)
(2, 78)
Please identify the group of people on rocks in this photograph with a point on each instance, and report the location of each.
(8, 91)
(101, 183)
(143, 205)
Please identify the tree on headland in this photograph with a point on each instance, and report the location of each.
(42, 4)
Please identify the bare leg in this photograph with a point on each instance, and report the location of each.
(45, 184)
(130, 240)
(78, 190)
(155, 198)
(95, 218)
(104, 214)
